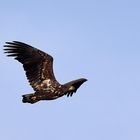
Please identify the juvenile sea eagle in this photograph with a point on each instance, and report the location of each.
(38, 66)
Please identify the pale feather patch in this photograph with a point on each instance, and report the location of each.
(47, 82)
(71, 88)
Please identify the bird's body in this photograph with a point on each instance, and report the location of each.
(38, 66)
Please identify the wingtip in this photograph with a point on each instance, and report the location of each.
(7, 42)
(84, 79)
(12, 42)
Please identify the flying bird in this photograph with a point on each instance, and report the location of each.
(38, 67)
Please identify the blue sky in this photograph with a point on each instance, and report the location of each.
(97, 40)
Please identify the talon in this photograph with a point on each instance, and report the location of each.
(33, 98)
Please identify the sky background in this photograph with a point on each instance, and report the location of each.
(94, 39)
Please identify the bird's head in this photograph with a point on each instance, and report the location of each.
(72, 86)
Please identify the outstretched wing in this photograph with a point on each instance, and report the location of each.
(37, 64)
(72, 86)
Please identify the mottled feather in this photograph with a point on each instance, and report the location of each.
(37, 64)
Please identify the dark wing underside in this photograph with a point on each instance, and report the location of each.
(75, 84)
(37, 64)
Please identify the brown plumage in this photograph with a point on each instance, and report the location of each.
(38, 66)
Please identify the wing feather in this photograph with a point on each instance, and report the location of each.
(37, 64)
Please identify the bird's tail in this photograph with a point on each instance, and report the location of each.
(29, 98)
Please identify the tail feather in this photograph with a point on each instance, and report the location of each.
(29, 98)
